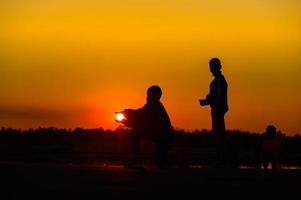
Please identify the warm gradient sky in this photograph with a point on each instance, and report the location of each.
(70, 63)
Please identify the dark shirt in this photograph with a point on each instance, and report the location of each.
(269, 146)
(217, 98)
(155, 120)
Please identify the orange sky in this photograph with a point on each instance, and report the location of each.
(74, 63)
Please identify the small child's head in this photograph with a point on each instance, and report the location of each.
(154, 93)
(271, 131)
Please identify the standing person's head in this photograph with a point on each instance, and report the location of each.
(215, 66)
(154, 93)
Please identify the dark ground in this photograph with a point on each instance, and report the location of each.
(35, 164)
(66, 181)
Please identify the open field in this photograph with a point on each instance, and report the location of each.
(58, 181)
(57, 164)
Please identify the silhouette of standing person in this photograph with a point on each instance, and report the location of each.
(217, 99)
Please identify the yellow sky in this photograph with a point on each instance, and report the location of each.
(74, 63)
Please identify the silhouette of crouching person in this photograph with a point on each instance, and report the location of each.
(152, 123)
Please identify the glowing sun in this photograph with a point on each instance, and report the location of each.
(120, 117)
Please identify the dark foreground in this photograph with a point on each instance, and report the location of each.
(49, 181)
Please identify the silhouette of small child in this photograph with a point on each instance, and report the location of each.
(269, 148)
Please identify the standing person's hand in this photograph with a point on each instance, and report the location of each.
(202, 102)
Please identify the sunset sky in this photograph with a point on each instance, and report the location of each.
(73, 63)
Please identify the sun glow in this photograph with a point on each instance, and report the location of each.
(120, 117)
(74, 63)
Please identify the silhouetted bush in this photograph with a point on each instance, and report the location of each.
(94, 145)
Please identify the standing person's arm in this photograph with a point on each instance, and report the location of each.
(207, 100)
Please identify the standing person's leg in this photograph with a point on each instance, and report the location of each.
(219, 134)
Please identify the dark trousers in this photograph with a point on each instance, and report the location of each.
(163, 145)
(265, 162)
(219, 135)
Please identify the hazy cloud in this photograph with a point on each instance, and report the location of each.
(31, 113)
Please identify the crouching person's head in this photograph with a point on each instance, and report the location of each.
(154, 94)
